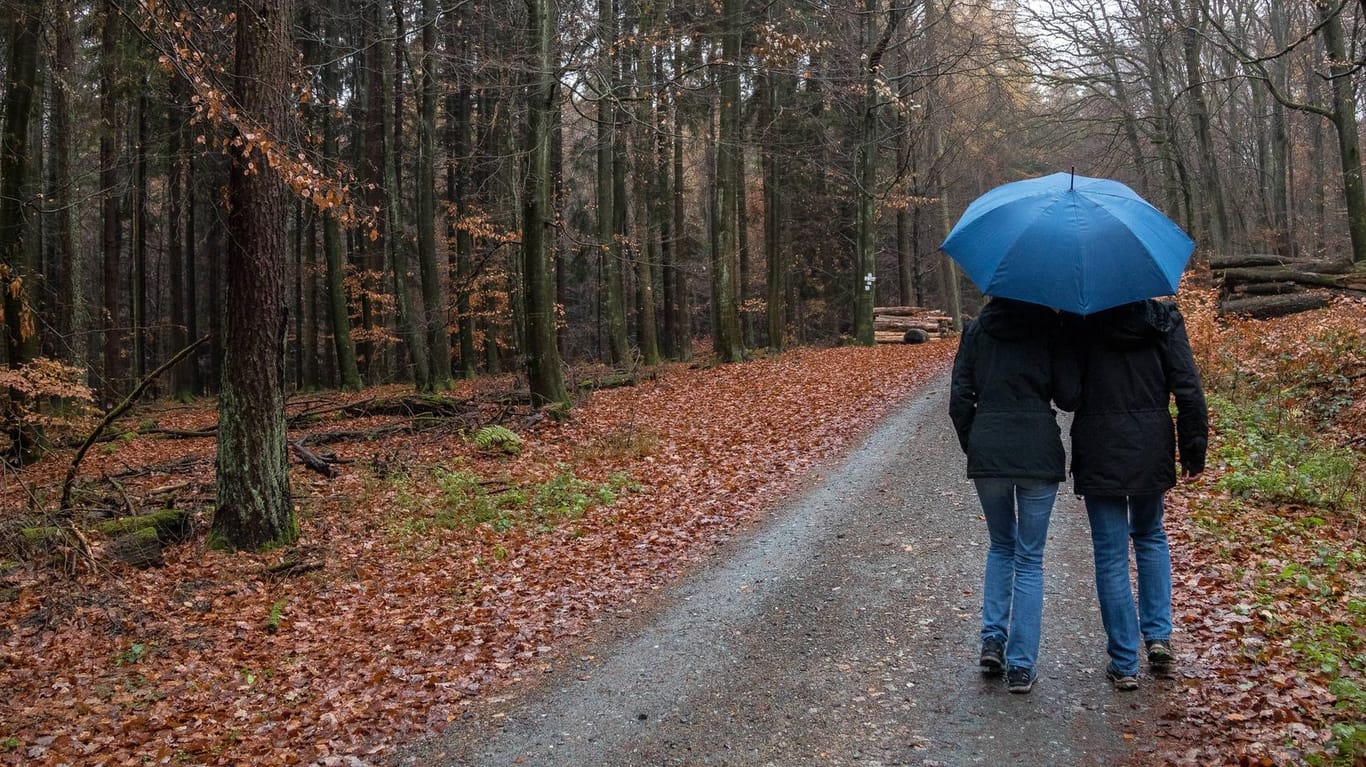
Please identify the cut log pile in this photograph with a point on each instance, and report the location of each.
(891, 323)
(1267, 285)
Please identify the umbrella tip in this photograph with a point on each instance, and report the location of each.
(1072, 182)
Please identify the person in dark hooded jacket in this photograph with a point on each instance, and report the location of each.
(1134, 359)
(1008, 368)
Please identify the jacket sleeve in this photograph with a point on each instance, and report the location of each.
(1183, 381)
(963, 388)
(1068, 359)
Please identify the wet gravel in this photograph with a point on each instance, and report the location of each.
(842, 631)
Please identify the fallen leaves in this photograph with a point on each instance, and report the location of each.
(406, 620)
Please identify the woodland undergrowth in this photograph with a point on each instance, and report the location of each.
(445, 561)
(1269, 548)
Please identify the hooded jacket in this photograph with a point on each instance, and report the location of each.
(1134, 358)
(1008, 367)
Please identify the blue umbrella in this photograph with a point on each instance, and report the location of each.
(1070, 242)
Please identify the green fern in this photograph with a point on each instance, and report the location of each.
(498, 439)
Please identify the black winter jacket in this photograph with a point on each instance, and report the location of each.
(1009, 366)
(1133, 359)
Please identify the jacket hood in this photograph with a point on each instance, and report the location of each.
(1011, 320)
(1132, 325)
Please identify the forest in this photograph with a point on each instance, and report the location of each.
(337, 296)
(759, 175)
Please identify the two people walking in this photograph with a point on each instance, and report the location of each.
(1118, 370)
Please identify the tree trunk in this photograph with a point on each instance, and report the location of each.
(71, 289)
(1212, 212)
(609, 247)
(773, 214)
(542, 357)
(682, 252)
(16, 261)
(139, 238)
(254, 506)
(178, 333)
(726, 253)
(408, 301)
(110, 210)
(433, 281)
(1345, 121)
(339, 313)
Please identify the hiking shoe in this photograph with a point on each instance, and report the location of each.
(993, 656)
(1020, 679)
(1122, 681)
(1160, 656)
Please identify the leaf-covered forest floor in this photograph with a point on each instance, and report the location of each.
(450, 568)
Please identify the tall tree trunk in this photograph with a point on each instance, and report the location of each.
(71, 290)
(905, 227)
(459, 191)
(668, 244)
(773, 215)
(865, 251)
(408, 301)
(311, 376)
(16, 260)
(339, 313)
(1340, 69)
(254, 507)
(1211, 208)
(433, 281)
(175, 239)
(648, 189)
(1277, 173)
(610, 251)
(726, 253)
(542, 358)
(110, 211)
(139, 238)
(682, 251)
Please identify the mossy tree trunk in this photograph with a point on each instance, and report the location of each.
(254, 506)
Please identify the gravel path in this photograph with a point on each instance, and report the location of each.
(842, 631)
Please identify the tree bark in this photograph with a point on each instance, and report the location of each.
(16, 260)
(110, 210)
(433, 281)
(727, 343)
(1344, 118)
(254, 506)
(339, 313)
(542, 356)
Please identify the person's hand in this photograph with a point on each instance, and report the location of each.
(1190, 471)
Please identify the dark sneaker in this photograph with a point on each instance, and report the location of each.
(993, 656)
(1122, 681)
(1020, 679)
(1160, 656)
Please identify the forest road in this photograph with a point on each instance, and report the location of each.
(841, 630)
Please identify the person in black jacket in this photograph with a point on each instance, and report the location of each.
(1007, 370)
(1134, 359)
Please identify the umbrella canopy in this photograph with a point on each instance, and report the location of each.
(1070, 242)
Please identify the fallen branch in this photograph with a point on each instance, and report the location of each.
(312, 460)
(119, 410)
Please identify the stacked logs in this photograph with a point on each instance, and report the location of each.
(1263, 285)
(894, 324)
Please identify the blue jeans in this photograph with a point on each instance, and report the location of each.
(1017, 515)
(1115, 519)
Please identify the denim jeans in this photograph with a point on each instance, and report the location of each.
(1115, 519)
(1017, 513)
